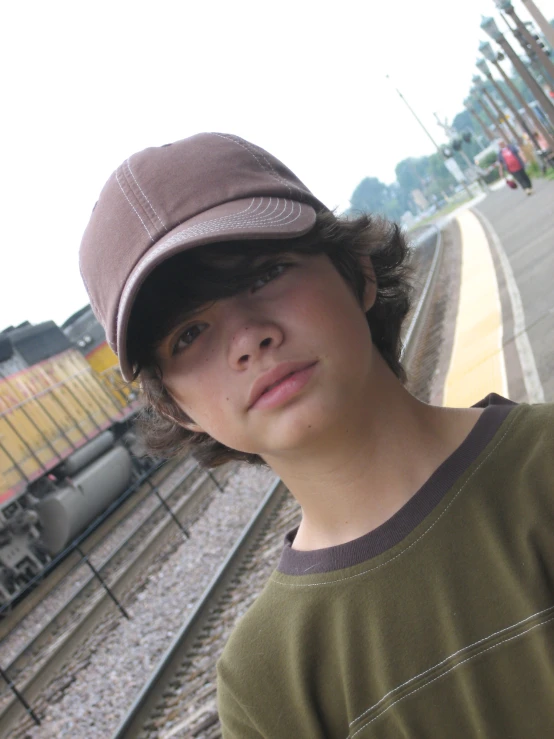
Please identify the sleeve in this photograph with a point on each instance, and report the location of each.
(234, 719)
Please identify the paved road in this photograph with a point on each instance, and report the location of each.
(525, 228)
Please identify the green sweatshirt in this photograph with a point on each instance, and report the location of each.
(438, 624)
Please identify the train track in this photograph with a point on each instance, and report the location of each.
(179, 699)
(187, 669)
(44, 656)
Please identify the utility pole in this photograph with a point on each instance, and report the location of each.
(489, 27)
(486, 49)
(437, 147)
(406, 103)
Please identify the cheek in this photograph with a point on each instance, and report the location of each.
(207, 403)
(332, 317)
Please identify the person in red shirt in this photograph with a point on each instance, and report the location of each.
(510, 160)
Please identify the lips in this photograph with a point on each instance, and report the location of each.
(269, 380)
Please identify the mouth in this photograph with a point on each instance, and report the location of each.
(278, 385)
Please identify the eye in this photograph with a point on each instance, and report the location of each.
(270, 274)
(187, 337)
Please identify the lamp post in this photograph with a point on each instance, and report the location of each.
(500, 133)
(471, 110)
(490, 28)
(540, 20)
(488, 52)
(474, 95)
(481, 65)
(527, 40)
(480, 85)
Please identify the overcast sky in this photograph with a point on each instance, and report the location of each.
(88, 83)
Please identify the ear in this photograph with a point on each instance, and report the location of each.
(370, 289)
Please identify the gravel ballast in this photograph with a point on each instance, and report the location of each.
(104, 678)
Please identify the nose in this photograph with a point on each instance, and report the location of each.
(251, 339)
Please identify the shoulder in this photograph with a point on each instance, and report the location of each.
(529, 436)
(247, 667)
(251, 632)
(537, 418)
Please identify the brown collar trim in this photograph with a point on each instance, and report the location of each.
(391, 532)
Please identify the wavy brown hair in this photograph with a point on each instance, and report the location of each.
(183, 284)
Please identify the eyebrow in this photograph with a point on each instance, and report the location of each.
(177, 322)
(253, 267)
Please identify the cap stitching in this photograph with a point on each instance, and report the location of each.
(132, 206)
(233, 225)
(224, 219)
(149, 220)
(128, 163)
(229, 221)
(273, 172)
(216, 223)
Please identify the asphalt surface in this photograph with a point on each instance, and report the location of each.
(525, 228)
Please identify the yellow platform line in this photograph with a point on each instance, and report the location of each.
(477, 365)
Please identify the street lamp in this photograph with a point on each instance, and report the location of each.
(540, 20)
(480, 85)
(527, 39)
(487, 51)
(485, 71)
(491, 29)
(475, 94)
(471, 110)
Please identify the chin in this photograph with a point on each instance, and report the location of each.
(298, 429)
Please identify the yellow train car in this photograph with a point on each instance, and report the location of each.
(101, 358)
(65, 444)
(51, 409)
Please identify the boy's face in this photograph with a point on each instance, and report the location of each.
(304, 317)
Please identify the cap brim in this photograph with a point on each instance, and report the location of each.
(248, 218)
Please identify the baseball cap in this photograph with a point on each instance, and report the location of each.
(209, 188)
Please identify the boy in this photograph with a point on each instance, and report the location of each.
(416, 598)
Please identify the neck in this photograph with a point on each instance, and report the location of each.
(371, 463)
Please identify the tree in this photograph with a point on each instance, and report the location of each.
(463, 122)
(370, 196)
(410, 174)
(429, 173)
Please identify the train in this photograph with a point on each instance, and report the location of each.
(67, 446)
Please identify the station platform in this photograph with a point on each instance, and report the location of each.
(500, 250)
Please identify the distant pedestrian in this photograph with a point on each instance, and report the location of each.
(528, 151)
(541, 141)
(545, 152)
(509, 159)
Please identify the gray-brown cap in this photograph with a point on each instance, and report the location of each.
(208, 188)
